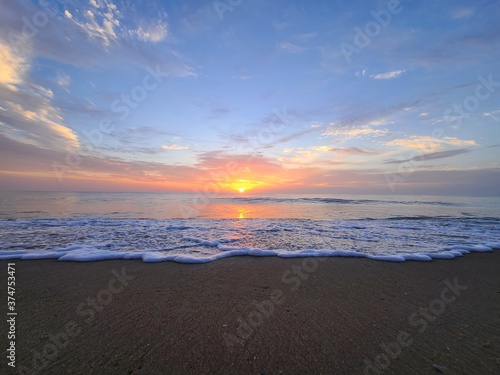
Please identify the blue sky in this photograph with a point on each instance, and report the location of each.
(384, 97)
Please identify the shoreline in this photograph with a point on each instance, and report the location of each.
(71, 255)
(258, 315)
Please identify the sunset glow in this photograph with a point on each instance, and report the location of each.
(268, 97)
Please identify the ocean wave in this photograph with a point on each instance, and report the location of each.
(205, 240)
(251, 200)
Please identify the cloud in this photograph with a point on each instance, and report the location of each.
(320, 158)
(306, 36)
(291, 137)
(352, 151)
(463, 13)
(101, 24)
(196, 19)
(268, 131)
(28, 114)
(174, 147)
(431, 156)
(348, 131)
(321, 148)
(140, 135)
(388, 75)
(290, 47)
(154, 33)
(215, 108)
(242, 77)
(13, 67)
(218, 110)
(256, 171)
(103, 36)
(30, 160)
(495, 115)
(300, 157)
(24, 165)
(63, 80)
(474, 182)
(382, 120)
(104, 23)
(460, 45)
(428, 143)
(360, 73)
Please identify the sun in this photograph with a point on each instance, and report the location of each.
(241, 189)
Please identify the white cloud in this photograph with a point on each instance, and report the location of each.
(380, 122)
(360, 73)
(463, 13)
(63, 81)
(104, 37)
(43, 91)
(100, 25)
(388, 75)
(428, 143)
(300, 157)
(152, 33)
(103, 23)
(321, 148)
(174, 147)
(495, 115)
(354, 151)
(243, 77)
(13, 68)
(28, 115)
(290, 47)
(347, 132)
(305, 36)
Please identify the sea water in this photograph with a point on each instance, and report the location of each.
(191, 228)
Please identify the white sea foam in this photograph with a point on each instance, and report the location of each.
(417, 256)
(206, 240)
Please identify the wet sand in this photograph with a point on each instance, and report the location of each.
(257, 316)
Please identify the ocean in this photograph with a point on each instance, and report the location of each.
(190, 228)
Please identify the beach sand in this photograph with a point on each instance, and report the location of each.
(252, 315)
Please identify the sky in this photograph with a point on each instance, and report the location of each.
(324, 97)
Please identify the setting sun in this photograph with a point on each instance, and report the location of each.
(244, 185)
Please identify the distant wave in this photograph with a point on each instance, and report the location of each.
(331, 201)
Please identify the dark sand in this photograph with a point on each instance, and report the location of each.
(172, 318)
